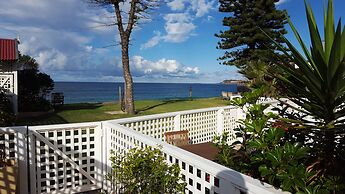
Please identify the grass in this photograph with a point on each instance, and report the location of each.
(87, 112)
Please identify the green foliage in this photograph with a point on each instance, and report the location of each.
(145, 171)
(6, 113)
(246, 45)
(264, 151)
(283, 167)
(317, 87)
(33, 86)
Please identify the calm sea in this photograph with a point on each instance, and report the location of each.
(76, 92)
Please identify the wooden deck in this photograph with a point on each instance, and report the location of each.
(205, 150)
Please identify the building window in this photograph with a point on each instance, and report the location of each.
(191, 182)
(198, 173)
(198, 186)
(183, 177)
(190, 169)
(216, 182)
(207, 190)
(207, 177)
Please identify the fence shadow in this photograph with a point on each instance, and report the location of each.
(165, 102)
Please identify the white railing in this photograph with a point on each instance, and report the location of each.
(74, 158)
(202, 124)
(66, 158)
(200, 174)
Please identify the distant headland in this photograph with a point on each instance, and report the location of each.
(233, 81)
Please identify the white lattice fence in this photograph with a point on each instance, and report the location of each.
(74, 158)
(231, 117)
(201, 126)
(13, 141)
(201, 175)
(154, 127)
(67, 158)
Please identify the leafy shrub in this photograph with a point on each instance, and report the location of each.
(145, 171)
(264, 151)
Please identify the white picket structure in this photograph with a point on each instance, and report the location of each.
(71, 158)
(9, 84)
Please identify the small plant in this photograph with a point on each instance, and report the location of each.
(145, 171)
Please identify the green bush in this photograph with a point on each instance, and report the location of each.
(264, 151)
(145, 171)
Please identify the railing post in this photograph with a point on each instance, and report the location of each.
(177, 122)
(220, 121)
(32, 157)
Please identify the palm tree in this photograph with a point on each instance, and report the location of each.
(315, 82)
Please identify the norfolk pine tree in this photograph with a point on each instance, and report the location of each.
(125, 22)
(247, 47)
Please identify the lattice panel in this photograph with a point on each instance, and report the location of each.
(198, 180)
(201, 126)
(154, 127)
(230, 123)
(6, 83)
(121, 142)
(8, 145)
(54, 173)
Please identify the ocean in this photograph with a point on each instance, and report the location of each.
(78, 92)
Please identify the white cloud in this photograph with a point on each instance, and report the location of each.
(194, 70)
(153, 41)
(51, 59)
(198, 7)
(88, 48)
(176, 5)
(60, 35)
(281, 2)
(201, 7)
(178, 27)
(162, 68)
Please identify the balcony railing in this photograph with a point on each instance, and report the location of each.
(73, 158)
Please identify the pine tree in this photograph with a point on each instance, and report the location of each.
(245, 43)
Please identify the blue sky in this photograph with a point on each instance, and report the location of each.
(176, 45)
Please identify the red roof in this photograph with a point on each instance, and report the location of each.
(8, 49)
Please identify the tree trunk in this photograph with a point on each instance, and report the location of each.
(329, 152)
(129, 101)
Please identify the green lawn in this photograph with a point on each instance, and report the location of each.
(85, 112)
